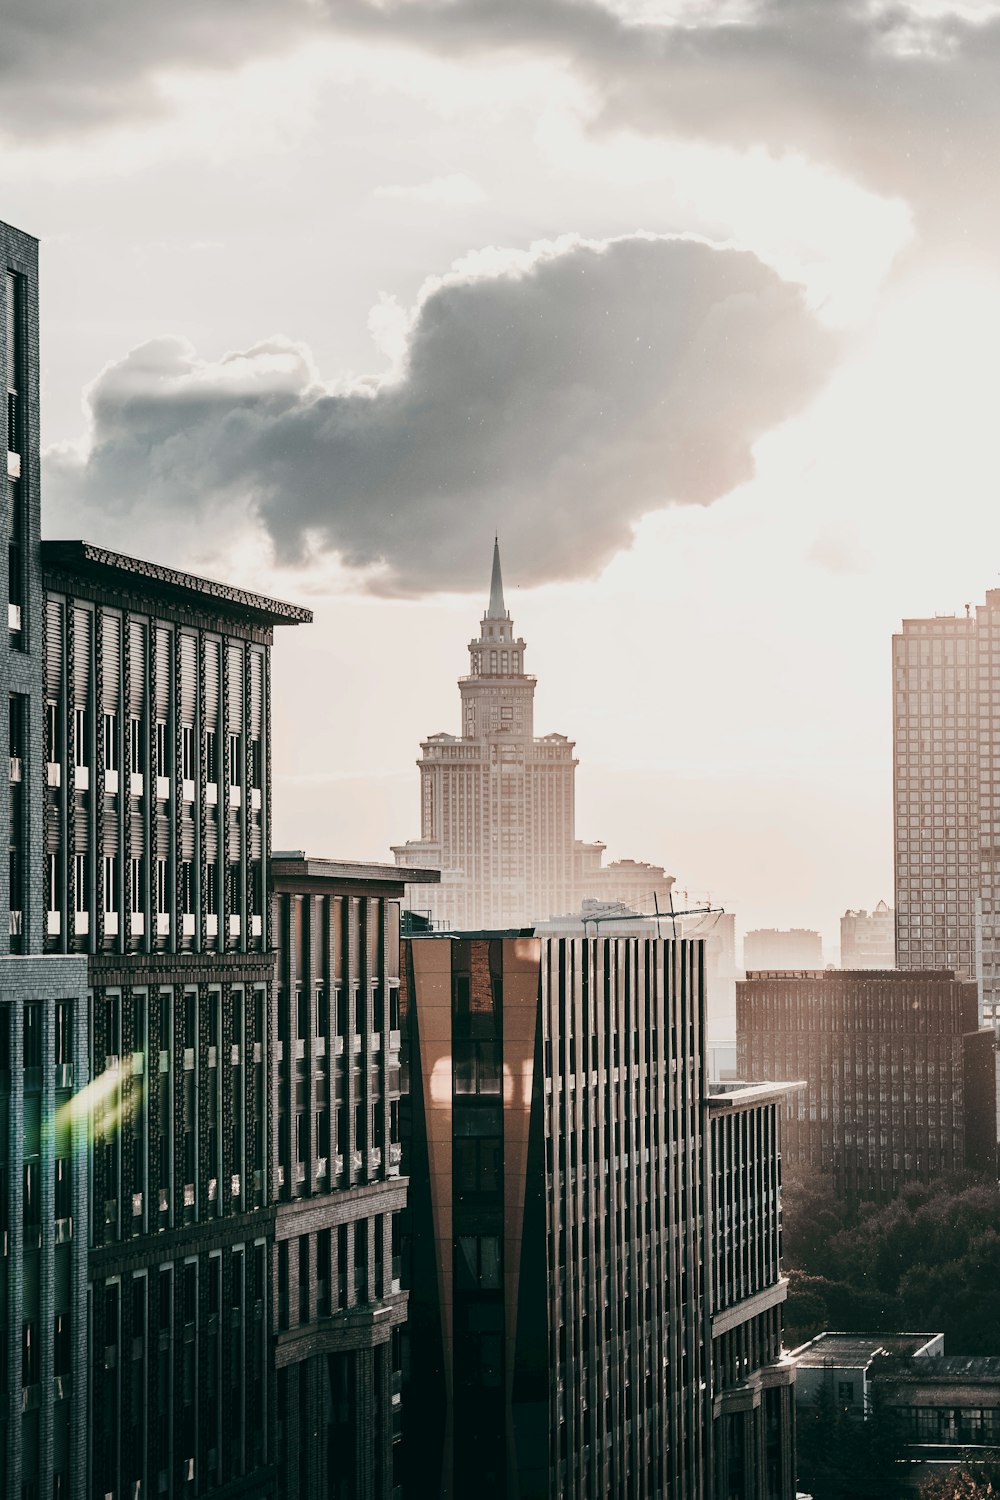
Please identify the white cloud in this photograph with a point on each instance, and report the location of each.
(456, 190)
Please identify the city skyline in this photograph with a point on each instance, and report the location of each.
(506, 162)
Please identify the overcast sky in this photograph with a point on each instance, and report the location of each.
(697, 305)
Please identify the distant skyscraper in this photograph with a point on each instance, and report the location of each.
(497, 804)
(770, 948)
(946, 733)
(868, 939)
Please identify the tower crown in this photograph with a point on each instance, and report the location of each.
(496, 623)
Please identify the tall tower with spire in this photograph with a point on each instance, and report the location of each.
(497, 803)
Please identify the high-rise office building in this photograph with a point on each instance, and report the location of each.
(900, 1077)
(946, 784)
(339, 1308)
(868, 938)
(497, 805)
(592, 1239)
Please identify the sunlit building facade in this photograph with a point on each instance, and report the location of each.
(592, 1241)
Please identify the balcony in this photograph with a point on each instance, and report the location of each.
(138, 923)
(187, 790)
(162, 924)
(110, 783)
(256, 798)
(13, 617)
(110, 924)
(234, 926)
(53, 773)
(212, 793)
(136, 784)
(235, 795)
(16, 768)
(81, 923)
(81, 777)
(256, 925)
(212, 925)
(187, 924)
(163, 788)
(13, 465)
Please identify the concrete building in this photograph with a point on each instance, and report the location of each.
(901, 1079)
(775, 948)
(868, 939)
(338, 1308)
(592, 1238)
(948, 1406)
(497, 805)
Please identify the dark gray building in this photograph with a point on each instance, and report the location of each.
(43, 1001)
(337, 1182)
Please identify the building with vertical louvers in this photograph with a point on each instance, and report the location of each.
(901, 1082)
(339, 1307)
(156, 821)
(592, 1241)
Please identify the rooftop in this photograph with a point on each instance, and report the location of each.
(116, 571)
(947, 1367)
(852, 1350)
(287, 863)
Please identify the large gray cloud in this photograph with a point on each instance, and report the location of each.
(909, 105)
(557, 398)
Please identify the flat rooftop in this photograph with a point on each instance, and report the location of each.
(853, 1350)
(295, 863)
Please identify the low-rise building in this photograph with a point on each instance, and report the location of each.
(868, 938)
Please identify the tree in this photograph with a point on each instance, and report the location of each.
(969, 1481)
(845, 1457)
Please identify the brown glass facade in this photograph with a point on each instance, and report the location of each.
(559, 1243)
(900, 1078)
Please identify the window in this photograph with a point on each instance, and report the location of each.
(255, 763)
(62, 1346)
(136, 881)
(80, 756)
(52, 882)
(63, 1189)
(234, 760)
(477, 1262)
(111, 742)
(33, 1034)
(63, 1039)
(51, 730)
(187, 752)
(845, 1391)
(162, 749)
(212, 755)
(111, 882)
(187, 888)
(135, 744)
(212, 891)
(162, 888)
(81, 871)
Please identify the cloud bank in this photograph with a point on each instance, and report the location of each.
(555, 395)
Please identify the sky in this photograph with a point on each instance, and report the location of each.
(696, 305)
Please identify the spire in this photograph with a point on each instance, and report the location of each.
(496, 609)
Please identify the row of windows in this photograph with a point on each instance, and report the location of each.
(161, 747)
